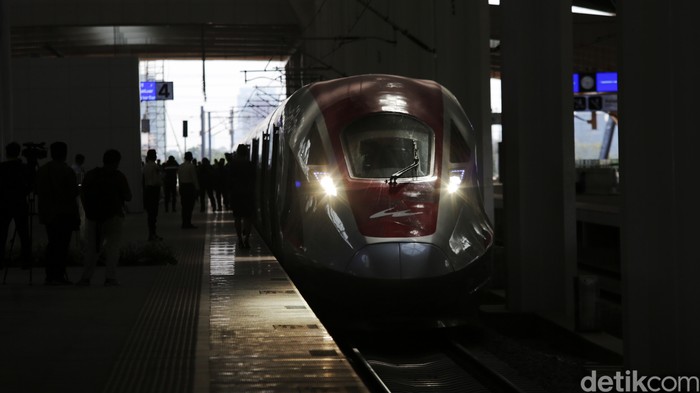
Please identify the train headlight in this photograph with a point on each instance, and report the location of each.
(454, 183)
(456, 177)
(326, 182)
(328, 185)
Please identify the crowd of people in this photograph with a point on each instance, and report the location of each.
(224, 185)
(67, 198)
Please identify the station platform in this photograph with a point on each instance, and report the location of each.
(221, 319)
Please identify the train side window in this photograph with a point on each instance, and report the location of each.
(459, 149)
(317, 155)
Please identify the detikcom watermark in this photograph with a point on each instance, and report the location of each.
(631, 381)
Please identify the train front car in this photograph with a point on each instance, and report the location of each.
(382, 216)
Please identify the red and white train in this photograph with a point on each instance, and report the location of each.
(367, 194)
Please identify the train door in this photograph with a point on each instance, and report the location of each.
(255, 159)
(264, 189)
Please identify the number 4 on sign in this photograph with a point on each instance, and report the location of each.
(165, 90)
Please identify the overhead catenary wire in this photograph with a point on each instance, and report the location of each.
(398, 28)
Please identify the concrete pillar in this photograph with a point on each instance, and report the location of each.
(538, 189)
(462, 63)
(6, 133)
(659, 140)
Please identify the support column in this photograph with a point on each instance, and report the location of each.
(659, 167)
(462, 64)
(202, 132)
(6, 130)
(539, 192)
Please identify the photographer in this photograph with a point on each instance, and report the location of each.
(14, 188)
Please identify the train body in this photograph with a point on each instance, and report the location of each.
(368, 195)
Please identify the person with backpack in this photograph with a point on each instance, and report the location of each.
(103, 193)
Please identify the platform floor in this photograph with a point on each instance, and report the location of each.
(220, 320)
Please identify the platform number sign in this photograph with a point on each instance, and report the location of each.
(165, 90)
(156, 91)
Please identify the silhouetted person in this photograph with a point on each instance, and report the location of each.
(189, 185)
(151, 193)
(104, 192)
(57, 191)
(15, 184)
(228, 176)
(206, 178)
(242, 194)
(170, 168)
(219, 183)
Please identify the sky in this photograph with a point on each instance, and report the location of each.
(229, 85)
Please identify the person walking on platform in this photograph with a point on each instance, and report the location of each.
(170, 168)
(189, 185)
(15, 185)
(228, 185)
(151, 192)
(104, 192)
(242, 194)
(220, 183)
(57, 190)
(206, 178)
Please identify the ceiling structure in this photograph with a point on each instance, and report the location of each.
(594, 39)
(172, 42)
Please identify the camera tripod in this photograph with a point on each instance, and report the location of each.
(26, 264)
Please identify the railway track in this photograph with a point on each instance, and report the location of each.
(438, 364)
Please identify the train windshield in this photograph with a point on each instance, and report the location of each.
(381, 145)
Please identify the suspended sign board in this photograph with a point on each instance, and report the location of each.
(156, 91)
(597, 82)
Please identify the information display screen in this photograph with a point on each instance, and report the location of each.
(606, 82)
(148, 91)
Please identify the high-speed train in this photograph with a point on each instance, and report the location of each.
(368, 195)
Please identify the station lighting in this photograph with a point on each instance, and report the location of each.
(574, 9)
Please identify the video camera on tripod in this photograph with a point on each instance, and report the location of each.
(34, 152)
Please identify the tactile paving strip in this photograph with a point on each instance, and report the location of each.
(263, 336)
(160, 351)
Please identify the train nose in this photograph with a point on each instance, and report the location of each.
(399, 260)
